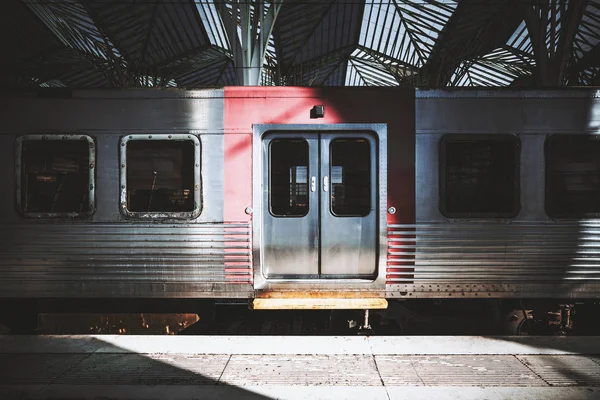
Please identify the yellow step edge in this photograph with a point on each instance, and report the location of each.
(319, 304)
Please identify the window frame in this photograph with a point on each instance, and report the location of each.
(91, 175)
(496, 137)
(153, 215)
(562, 216)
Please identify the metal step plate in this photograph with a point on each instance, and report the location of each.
(319, 304)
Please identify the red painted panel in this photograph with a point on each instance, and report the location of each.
(238, 176)
(245, 106)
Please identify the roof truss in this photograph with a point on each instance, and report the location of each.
(190, 43)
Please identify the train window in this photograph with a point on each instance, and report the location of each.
(479, 176)
(573, 176)
(288, 181)
(55, 175)
(161, 176)
(350, 177)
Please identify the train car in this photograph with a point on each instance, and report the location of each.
(299, 197)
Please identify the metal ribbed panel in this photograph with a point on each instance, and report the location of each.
(490, 252)
(116, 253)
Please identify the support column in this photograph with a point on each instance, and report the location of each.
(552, 59)
(249, 24)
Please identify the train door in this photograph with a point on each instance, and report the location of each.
(319, 206)
(290, 206)
(348, 206)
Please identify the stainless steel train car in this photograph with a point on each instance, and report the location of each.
(300, 197)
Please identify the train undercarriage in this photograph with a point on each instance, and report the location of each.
(508, 317)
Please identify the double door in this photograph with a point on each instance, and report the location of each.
(319, 206)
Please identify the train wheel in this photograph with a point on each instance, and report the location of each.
(517, 323)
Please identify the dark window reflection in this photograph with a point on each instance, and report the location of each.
(55, 176)
(160, 176)
(572, 176)
(350, 177)
(480, 176)
(288, 163)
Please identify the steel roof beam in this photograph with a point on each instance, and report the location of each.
(473, 29)
(313, 66)
(552, 60)
(589, 59)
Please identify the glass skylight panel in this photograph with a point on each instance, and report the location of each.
(153, 81)
(588, 75)
(498, 68)
(501, 66)
(460, 76)
(403, 29)
(364, 70)
(588, 32)
(53, 83)
(213, 24)
(520, 39)
(70, 22)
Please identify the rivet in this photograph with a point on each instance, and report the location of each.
(122, 186)
(392, 210)
(248, 210)
(122, 143)
(170, 136)
(150, 137)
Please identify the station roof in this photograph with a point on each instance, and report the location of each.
(185, 43)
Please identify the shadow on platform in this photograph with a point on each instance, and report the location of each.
(89, 368)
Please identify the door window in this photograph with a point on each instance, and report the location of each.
(288, 161)
(350, 177)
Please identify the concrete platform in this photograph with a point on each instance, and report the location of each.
(293, 367)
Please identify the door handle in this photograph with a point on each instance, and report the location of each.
(313, 183)
(325, 183)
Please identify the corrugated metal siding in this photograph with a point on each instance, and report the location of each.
(401, 253)
(491, 252)
(125, 253)
(238, 255)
